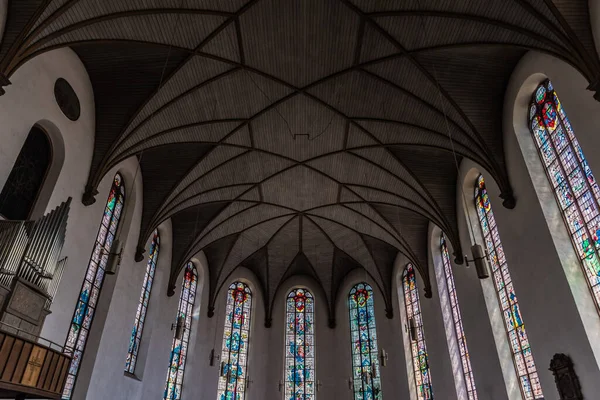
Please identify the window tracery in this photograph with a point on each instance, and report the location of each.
(457, 322)
(575, 188)
(179, 347)
(93, 281)
(507, 298)
(420, 357)
(236, 336)
(299, 371)
(142, 309)
(365, 361)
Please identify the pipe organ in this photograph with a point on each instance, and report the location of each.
(31, 268)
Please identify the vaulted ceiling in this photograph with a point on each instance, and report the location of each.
(300, 136)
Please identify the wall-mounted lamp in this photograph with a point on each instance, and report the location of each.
(280, 385)
(179, 327)
(384, 357)
(212, 357)
(412, 329)
(114, 258)
(479, 257)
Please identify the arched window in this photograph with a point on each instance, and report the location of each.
(574, 184)
(420, 358)
(180, 344)
(513, 320)
(27, 176)
(299, 374)
(457, 322)
(234, 353)
(142, 309)
(365, 361)
(92, 283)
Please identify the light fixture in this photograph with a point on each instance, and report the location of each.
(479, 257)
(412, 329)
(114, 258)
(179, 327)
(384, 357)
(212, 357)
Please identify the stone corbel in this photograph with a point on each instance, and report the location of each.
(89, 196)
(509, 199)
(3, 82)
(139, 253)
(594, 86)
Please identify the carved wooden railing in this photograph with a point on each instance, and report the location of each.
(30, 367)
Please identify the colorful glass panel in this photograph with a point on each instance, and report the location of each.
(457, 322)
(418, 348)
(299, 346)
(509, 304)
(234, 353)
(575, 187)
(142, 309)
(92, 283)
(365, 362)
(179, 348)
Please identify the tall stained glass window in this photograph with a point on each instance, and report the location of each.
(365, 361)
(234, 353)
(180, 345)
(509, 304)
(457, 320)
(299, 346)
(140, 316)
(420, 358)
(574, 184)
(92, 283)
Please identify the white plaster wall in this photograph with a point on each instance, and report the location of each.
(324, 340)
(483, 324)
(266, 357)
(108, 360)
(30, 100)
(200, 380)
(109, 335)
(439, 277)
(547, 306)
(440, 366)
(524, 81)
(394, 383)
(561, 303)
(163, 314)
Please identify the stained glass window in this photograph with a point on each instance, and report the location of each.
(180, 345)
(574, 185)
(234, 353)
(457, 322)
(513, 320)
(418, 349)
(299, 346)
(92, 283)
(140, 316)
(365, 361)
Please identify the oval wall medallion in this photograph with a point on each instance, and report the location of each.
(67, 99)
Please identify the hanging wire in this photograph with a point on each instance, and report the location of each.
(442, 102)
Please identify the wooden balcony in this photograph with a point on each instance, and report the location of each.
(30, 367)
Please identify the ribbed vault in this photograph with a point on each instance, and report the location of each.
(300, 136)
